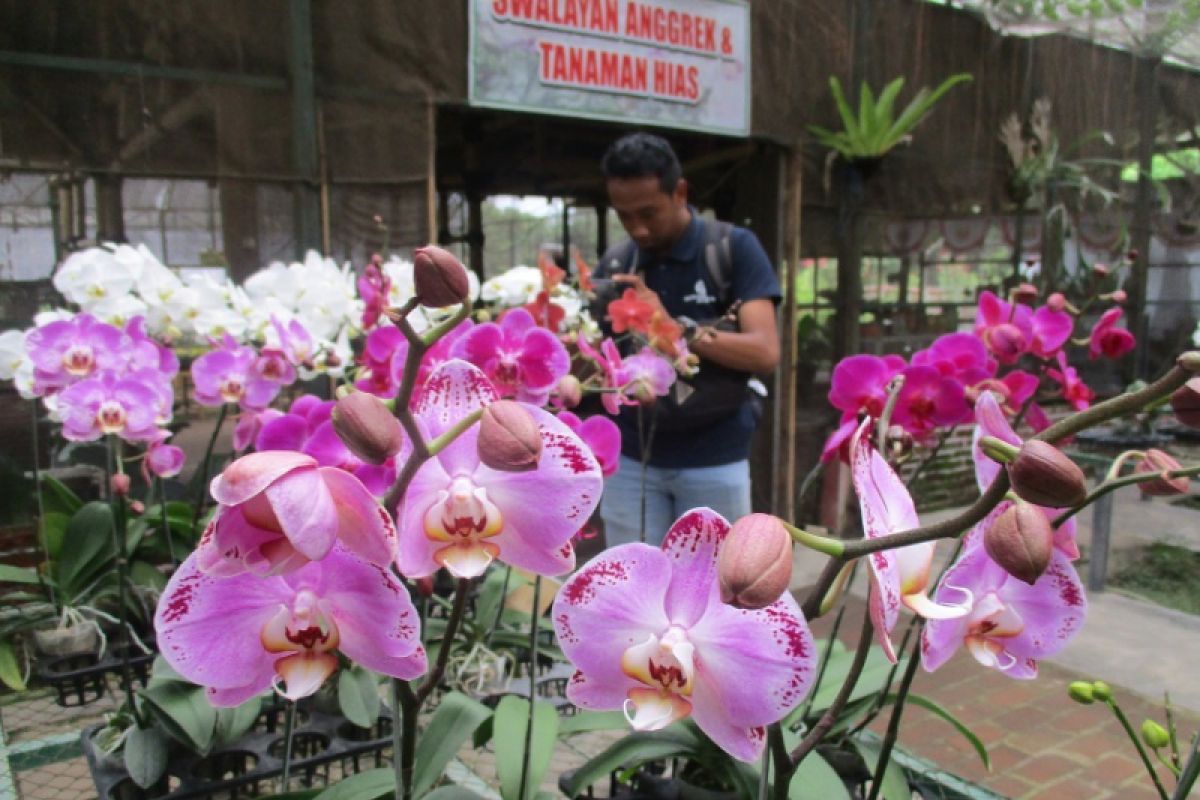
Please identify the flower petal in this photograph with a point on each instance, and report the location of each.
(613, 603)
(306, 511)
(253, 473)
(453, 391)
(692, 544)
(363, 524)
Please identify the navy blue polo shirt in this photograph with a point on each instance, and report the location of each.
(682, 281)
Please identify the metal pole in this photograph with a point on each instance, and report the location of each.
(1098, 557)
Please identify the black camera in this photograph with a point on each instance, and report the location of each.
(604, 291)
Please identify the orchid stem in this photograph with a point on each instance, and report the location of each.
(814, 736)
(533, 659)
(1117, 483)
(893, 728)
(119, 547)
(289, 727)
(161, 491)
(885, 420)
(1137, 743)
(205, 468)
(937, 448)
(822, 544)
(443, 441)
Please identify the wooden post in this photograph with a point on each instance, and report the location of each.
(1146, 92)
(783, 493)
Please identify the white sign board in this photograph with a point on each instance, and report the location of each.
(673, 63)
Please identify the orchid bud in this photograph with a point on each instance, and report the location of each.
(440, 278)
(1021, 541)
(1081, 692)
(509, 438)
(1186, 403)
(1101, 691)
(1099, 270)
(1007, 342)
(1041, 474)
(754, 566)
(1189, 361)
(1154, 735)
(1056, 301)
(1156, 461)
(118, 485)
(1119, 296)
(367, 428)
(569, 391)
(424, 586)
(1026, 293)
(137, 508)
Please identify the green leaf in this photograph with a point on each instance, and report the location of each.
(843, 107)
(884, 107)
(145, 755)
(10, 670)
(451, 793)
(870, 681)
(510, 726)
(87, 549)
(374, 784)
(815, 778)
(895, 784)
(56, 497)
(358, 696)
(233, 723)
(54, 529)
(144, 574)
(586, 721)
(635, 749)
(11, 574)
(185, 712)
(866, 110)
(921, 105)
(967, 733)
(456, 718)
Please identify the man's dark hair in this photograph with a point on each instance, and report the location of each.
(638, 155)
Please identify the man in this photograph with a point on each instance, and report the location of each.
(671, 266)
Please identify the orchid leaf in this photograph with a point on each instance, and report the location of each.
(451, 793)
(358, 696)
(636, 748)
(815, 778)
(145, 755)
(895, 784)
(184, 711)
(87, 549)
(10, 669)
(233, 723)
(510, 726)
(456, 718)
(58, 497)
(374, 784)
(53, 529)
(586, 721)
(940, 711)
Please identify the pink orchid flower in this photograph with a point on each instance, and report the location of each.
(647, 376)
(859, 384)
(228, 375)
(1074, 390)
(373, 287)
(648, 633)
(899, 576)
(385, 345)
(143, 353)
(108, 404)
(162, 460)
(958, 355)
(612, 372)
(460, 514)
(600, 434)
(1051, 329)
(1109, 340)
(1010, 625)
(927, 400)
(67, 351)
(280, 510)
(521, 359)
(239, 636)
(991, 421)
(1005, 328)
(295, 342)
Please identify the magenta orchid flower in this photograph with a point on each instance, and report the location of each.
(240, 636)
(648, 634)
(1074, 390)
(859, 384)
(1010, 625)
(991, 421)
(520, 358)
(162, 460)
(295, 342)
(373, 288)
(280, 509)
(461, 514)
(600, 434)
(1005, 328)
(928, 399)
(228, 375)
(144, 352)
(1109, 340)
(958, 355)
(1051, 329)
(647, 375)
(612, 374)
(384, 345)
(108, 404)
(66, 351)
(899, 576)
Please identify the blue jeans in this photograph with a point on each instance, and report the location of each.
(669, 493)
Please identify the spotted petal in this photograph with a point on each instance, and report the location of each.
(453, 391)
(692, 544)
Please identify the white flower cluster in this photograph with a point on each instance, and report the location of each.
(521, 285)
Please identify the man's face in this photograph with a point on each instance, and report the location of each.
(654, 219)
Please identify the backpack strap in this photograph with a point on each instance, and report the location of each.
(619, 259)
(718, 257)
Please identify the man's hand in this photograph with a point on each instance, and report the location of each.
(644, 292)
